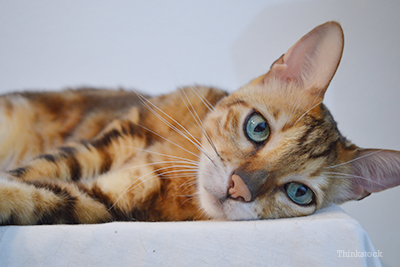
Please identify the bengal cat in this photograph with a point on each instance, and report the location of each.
(271, 149)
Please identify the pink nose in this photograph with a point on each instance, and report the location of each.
(238, 189)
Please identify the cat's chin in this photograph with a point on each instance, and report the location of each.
(226, 209)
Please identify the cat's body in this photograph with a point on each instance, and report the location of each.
(268, 150)
(101, 151)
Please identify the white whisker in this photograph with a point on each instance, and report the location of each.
(165, 155)
(159, 163)
(139, 181)
(296, 104)
(350, 161)
(346, 175)
(198, 120)
(307, 112)
(188, 137)
(169, 141)
(146, 102)
(203, 99)
(188, 198)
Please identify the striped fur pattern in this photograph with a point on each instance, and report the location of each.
(93, 156)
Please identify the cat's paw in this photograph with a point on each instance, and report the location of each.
(16, 206)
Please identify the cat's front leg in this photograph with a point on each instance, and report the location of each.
(47, 202)
(84, 160)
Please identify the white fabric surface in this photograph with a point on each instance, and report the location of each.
(307, 241)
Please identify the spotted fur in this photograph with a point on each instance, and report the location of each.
(93, 156)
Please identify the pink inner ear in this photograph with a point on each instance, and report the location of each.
(313, 60)
(375, 170)
(295, 63)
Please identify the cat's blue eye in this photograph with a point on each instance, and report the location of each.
(256, 128)
(299, 193)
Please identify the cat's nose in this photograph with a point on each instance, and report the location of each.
(238, 189)
(247, 185)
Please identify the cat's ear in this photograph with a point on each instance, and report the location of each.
(373, 171)
(312, 61)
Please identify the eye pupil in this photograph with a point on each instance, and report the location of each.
(301, 191)
(260, 127)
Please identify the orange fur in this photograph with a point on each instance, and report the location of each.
(271, 149)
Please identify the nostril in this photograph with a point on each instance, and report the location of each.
(241, 199)
(238, 189)
(231, 184)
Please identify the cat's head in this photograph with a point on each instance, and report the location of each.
(276, 150)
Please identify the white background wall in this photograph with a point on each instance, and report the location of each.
(156, 46)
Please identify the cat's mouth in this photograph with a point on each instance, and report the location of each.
(233, 206)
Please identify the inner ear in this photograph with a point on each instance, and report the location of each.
(312, 62)
(373, 170)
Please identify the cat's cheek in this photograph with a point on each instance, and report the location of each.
(238, 211)
(210, 204)
(281, 207)
(227, 209)
(213, 178)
